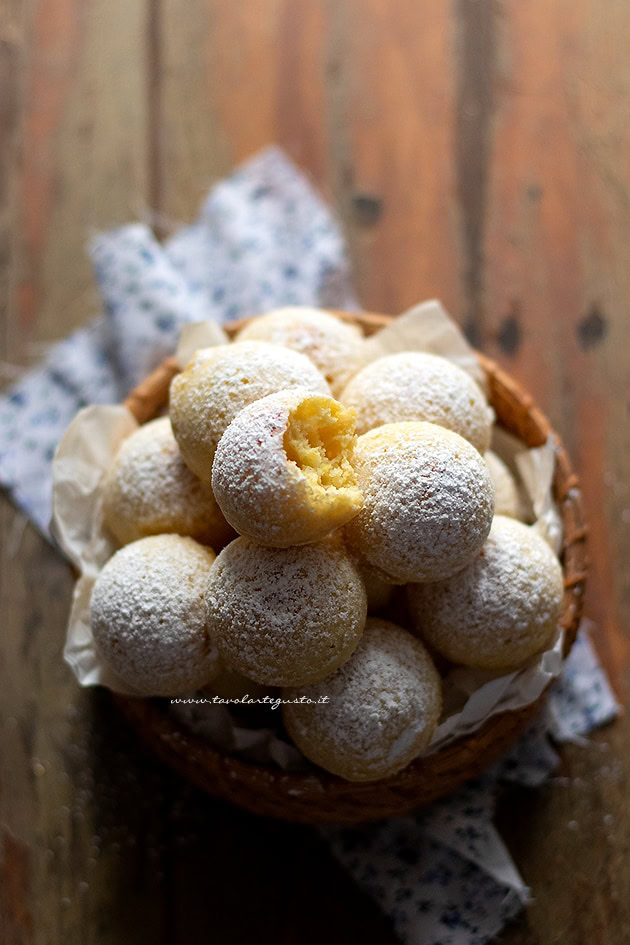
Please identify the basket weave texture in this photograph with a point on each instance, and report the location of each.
(319, 797)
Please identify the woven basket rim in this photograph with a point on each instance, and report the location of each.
(318, 796)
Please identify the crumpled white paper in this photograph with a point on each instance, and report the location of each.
(85, 451)
(425, 327)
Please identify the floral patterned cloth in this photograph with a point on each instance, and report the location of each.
(264, 239)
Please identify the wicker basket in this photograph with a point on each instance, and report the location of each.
(320, 797)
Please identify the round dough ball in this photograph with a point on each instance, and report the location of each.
(428, 502)
(285, 616)
(500, 610)
(149, 490)
(332, 345)
(282, 472)
(149, 619)
(414, 385)
(507, 496)
(220, 381)
(384, 705)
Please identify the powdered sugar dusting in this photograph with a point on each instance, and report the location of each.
(149, 490)
(261, 493)
(502, 608)
(428, 502)
(332, 345)
(285, 616)
(219, 382)
(149, 619)
(415, 385)
(384, 705)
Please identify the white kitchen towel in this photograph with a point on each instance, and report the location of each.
(263, 239)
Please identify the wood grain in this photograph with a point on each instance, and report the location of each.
(555, 282)
(394, 124)
(73, 157)
(475, 151)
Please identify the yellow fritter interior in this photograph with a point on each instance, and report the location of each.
(320, 439)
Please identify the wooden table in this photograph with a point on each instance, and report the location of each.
(476, 151)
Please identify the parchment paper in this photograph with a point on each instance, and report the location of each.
(198, 335)
(91, 442)
(425, 327)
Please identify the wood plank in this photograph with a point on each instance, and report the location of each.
(12, 54)
(72, 157)
(393, 115)
(554, 292)
(250, 75)
(84, 142)
(570, 840)
(555, 279)
(310, 78)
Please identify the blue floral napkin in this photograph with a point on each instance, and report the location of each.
(264, 239)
